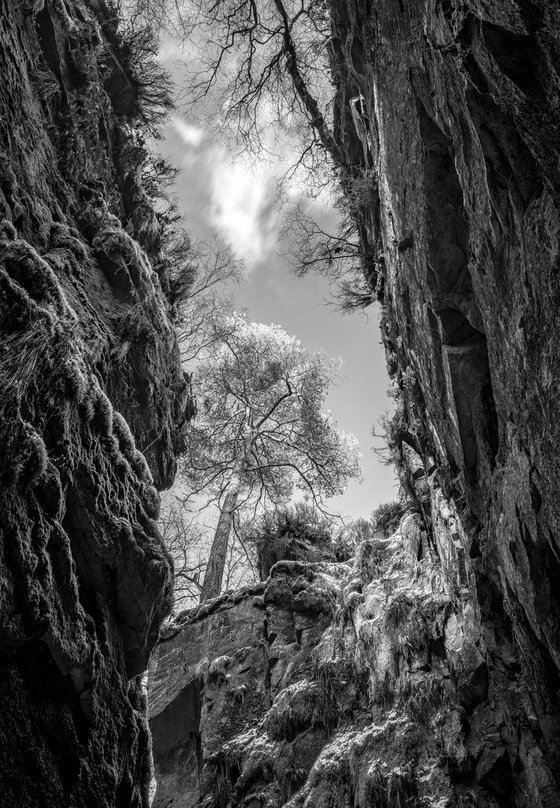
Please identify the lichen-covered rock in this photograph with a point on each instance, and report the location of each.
(91, 400)
(346, 701)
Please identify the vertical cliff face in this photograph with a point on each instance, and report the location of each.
(91, 397)
(462, 108)
(352, 684)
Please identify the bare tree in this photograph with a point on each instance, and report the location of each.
(265, 63)
(332, 254)
(241, 563)
(260, 431)
(186, 541)
(172, 16)
(269, 64)
(197, 280)
(335, 255)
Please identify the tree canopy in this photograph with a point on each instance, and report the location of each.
(260, 433)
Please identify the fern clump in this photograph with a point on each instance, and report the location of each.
(292, 533)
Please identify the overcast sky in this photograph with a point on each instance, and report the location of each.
(234, 199)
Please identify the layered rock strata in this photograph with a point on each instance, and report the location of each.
(91, 399)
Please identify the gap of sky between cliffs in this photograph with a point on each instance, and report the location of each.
(224, 196)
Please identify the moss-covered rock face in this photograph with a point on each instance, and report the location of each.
(91, 395)
(328, 685)
(343, 685)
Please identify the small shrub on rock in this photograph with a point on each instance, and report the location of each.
(292, 533)
(387, 516)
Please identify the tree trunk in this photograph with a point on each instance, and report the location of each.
(218, 552)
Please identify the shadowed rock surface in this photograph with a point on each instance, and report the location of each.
(446, 688)
(426, 673)
(329, 684)
(91, 399)
(464, 103)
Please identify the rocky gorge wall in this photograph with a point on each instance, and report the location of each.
(463, 116)
(344, 684)
(92, 397)
(430, 677)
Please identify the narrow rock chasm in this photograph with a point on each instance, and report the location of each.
(425, 671)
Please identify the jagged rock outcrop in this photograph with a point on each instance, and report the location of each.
(455, 171)
(92, 397)
(328, 685)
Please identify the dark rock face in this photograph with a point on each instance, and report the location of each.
(187, 698)
(462, 105)
(89, 375)
(346, 684)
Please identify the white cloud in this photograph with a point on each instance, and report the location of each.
(227, 194)
(236, 195)
(191, 136)
(242, 208)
